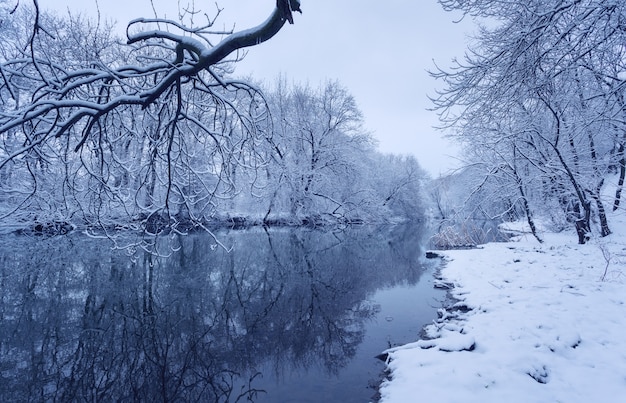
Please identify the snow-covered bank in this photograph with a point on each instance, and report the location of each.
(546, 323)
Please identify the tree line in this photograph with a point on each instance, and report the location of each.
(156, 132)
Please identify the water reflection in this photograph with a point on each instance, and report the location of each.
(79, 322)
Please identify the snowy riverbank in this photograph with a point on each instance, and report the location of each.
(534, 323)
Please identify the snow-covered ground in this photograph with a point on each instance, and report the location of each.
(534, 323)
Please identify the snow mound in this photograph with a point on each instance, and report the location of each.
(449, 343)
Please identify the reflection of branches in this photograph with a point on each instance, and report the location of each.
(199, 323)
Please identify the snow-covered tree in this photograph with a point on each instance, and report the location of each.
(540, 92)
(320, 142)
(149, 130)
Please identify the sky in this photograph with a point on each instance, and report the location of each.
(380, 51)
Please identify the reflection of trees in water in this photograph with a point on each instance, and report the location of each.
(79, 322)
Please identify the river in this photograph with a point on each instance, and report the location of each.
(286, 315)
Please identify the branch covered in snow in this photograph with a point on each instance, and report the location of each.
(150, 129)
(63, 98)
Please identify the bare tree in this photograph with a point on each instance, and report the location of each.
(320, 144)
(159, 116)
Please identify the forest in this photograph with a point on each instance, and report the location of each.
(155, 132)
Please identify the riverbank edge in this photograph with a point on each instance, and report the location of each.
(450, 305)
(548, 319)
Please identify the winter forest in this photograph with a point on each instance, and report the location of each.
(153, 132)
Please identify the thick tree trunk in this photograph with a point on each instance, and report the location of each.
(604, 223)
(582, 224)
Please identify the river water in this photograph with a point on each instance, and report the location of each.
(287, 315)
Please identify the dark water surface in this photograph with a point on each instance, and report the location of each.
(289, 315)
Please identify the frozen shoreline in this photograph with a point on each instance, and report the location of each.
(533, 322)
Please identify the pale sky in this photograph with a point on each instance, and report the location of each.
(379, 50)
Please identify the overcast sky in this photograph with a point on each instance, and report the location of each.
(379, 50)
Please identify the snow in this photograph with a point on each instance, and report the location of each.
(533, 322)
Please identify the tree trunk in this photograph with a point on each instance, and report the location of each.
(529, 217)
(582, 224)
(622, 174)
(604, 223)
(527, 212)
